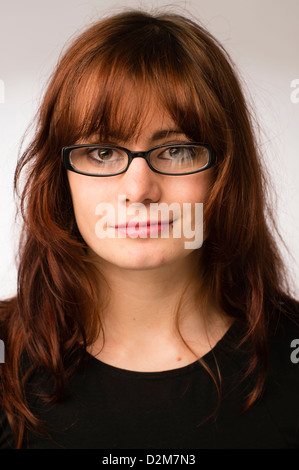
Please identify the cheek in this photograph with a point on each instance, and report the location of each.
(86, 195)
(196, 188)
(196, 192)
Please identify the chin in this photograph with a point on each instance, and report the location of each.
(138, 262)
(135, 261)
(137, 255)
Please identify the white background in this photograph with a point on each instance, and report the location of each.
(262, 37)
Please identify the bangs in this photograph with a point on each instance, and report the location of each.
(111, 93)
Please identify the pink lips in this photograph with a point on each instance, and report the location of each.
(142, 229)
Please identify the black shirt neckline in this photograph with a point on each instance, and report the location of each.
(227, 342)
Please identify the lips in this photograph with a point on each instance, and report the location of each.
(148, 223)
(146, 229)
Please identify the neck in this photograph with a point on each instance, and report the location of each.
(140, 320)
(146, 298)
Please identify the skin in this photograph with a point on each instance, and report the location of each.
(146, 276)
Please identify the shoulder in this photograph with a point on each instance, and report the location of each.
(6, 435)
(281, 392)
(284, 327)
(283, 339)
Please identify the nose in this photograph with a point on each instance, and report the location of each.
(139, 183)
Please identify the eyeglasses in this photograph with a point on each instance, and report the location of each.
(111, 160)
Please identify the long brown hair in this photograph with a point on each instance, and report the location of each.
(165, 57)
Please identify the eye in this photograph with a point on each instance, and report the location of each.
(178, 153)
(100, 154)
(103, 155)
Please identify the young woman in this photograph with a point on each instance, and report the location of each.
(121, 335)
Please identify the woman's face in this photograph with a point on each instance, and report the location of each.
(101, 204)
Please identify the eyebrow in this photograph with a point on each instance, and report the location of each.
(155, 136)
(166, 133)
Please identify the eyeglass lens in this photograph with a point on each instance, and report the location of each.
(101, 160)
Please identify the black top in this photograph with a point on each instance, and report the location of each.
(112, 408)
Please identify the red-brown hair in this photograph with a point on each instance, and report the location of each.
(176, 62)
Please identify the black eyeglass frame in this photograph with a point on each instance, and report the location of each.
(131, 155)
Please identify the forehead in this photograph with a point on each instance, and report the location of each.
(153, 126)
(126, 111)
